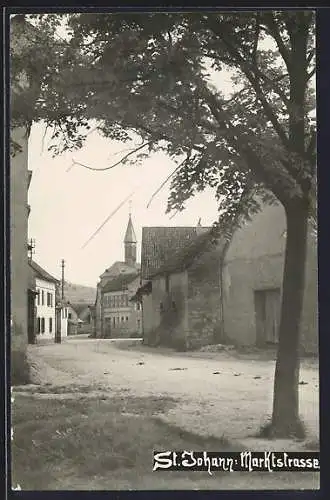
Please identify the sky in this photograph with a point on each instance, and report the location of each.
(69, 204)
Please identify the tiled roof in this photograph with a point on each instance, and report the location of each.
(119, 267)
(119, 282)
(159, 244)
(39, 272)
(184, 257)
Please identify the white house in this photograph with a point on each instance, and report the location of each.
(45, 285)
(63, 308)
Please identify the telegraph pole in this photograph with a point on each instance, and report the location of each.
(59, 307)
(63, 265)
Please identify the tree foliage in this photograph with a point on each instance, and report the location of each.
(150, 75)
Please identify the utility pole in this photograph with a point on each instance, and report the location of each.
(59, 307)
(63, 265)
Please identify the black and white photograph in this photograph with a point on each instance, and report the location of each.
(163, 250)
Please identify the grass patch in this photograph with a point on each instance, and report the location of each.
(59, 444)
(312, 445)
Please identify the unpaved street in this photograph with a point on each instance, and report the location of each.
(222, 396)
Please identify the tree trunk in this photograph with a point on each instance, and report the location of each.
(285, 418)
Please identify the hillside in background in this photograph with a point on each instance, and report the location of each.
(79, 293)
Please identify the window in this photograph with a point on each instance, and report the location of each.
(38, 325)
(126, 300)
(114, 321)
(38, 297)
(126, 318)
(42, 297)
(167, 283)
(70, 316)
(50, 325)
(138, 306)
(138, 324)
(122, 318)
(42, 325)
(49, 299)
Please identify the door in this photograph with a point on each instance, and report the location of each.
(267, 309)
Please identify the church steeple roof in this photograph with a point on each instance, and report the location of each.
(130, 236)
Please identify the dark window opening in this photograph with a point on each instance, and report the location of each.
(42, 325)
(167, 283)
(50, 325)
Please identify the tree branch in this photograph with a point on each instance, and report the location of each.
(253, 161)
(311, 73)
(311, 147)
(310, 56)
(254, 82)
(74, 162)
(166, 181)
(274, 31)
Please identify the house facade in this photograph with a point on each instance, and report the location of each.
(119, 268)
(64, 309)
(45, 286)
(181, 287)
(209, 291)
(121, 316)
(21, 291)
(252, 277)
(19, 237)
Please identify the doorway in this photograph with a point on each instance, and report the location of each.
(267, 310)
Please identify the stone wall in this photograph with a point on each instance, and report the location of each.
(204, 307)
(165, 311)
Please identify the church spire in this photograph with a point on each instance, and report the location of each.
(130, 242)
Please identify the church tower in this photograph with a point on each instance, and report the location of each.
(130, 243)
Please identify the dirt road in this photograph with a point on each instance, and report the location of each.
(223, 396)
